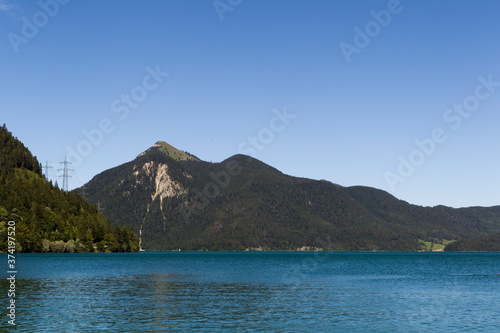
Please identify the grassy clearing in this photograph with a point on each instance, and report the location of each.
(434, 244)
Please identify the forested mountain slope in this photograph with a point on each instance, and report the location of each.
(242, 203)
(46, 218)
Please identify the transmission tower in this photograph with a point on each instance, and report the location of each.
(65, 176)
(83, 192)
(100, 207)
(47, 167)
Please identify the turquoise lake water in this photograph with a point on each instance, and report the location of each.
(255, 292)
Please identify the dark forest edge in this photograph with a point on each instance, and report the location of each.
(256, 208)
(490, 243)
(242, 203)
(48, 219)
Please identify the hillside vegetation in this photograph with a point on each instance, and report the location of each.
(46, 218)
(242, 203)
(488, 243)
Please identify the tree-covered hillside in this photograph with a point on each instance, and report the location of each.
(242, 203)
(46, 218)
(488, 243)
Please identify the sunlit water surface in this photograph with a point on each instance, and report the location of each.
(256, 291)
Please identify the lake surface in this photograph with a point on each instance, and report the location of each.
(256, 291)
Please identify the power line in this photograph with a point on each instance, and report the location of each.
(65, 176)
(47, 167)
(100, 207)
(83, 192)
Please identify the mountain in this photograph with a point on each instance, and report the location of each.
(45, 218)
(172, 152)
(174, 201)
(488, 243)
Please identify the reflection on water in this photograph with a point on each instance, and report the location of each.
(123, 302)
(256, 292)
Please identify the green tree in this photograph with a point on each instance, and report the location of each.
(111, 244)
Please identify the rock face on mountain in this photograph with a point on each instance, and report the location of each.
(174, 201)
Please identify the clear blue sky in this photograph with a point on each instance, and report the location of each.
(360, 100)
